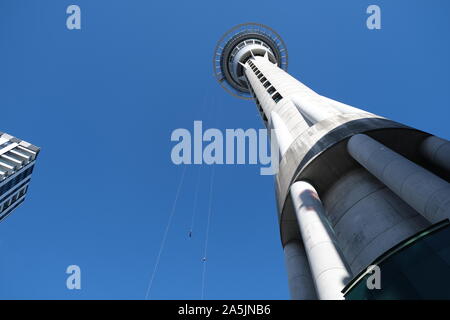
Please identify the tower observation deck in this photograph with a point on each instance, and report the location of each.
(353, 188)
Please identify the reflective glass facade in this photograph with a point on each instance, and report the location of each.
(417, 268)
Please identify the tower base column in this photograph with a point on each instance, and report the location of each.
(427, 193)
(437, 150)
(329, 270)
(300, 281)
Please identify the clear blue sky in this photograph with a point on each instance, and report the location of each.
(102, 103)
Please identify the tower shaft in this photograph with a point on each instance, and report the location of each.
(353, 188)
(363, 217)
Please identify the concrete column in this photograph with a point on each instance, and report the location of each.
(284, 138)
(329, 270)
(301, 285)
(368, 218)
(437, 150)
(425, 192)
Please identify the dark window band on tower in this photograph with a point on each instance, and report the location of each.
(266, 84)
(277, 97)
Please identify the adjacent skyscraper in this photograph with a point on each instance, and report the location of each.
(17, 159)
(354, 190)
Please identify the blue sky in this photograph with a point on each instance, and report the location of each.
(102, 103)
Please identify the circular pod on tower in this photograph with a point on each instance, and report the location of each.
(239, 44)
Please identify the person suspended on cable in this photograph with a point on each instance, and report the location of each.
(204, 259)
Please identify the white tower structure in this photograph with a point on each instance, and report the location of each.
(353, 188)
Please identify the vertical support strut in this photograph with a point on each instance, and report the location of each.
(437, 151)
(329, 270)
(301, 285)
(284, 138)
(425, 192)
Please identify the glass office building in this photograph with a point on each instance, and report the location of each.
(17, 159)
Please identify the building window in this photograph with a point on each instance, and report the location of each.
(16, 180)
(277, 97)
(6, 204)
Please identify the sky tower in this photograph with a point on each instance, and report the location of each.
(358, 195)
